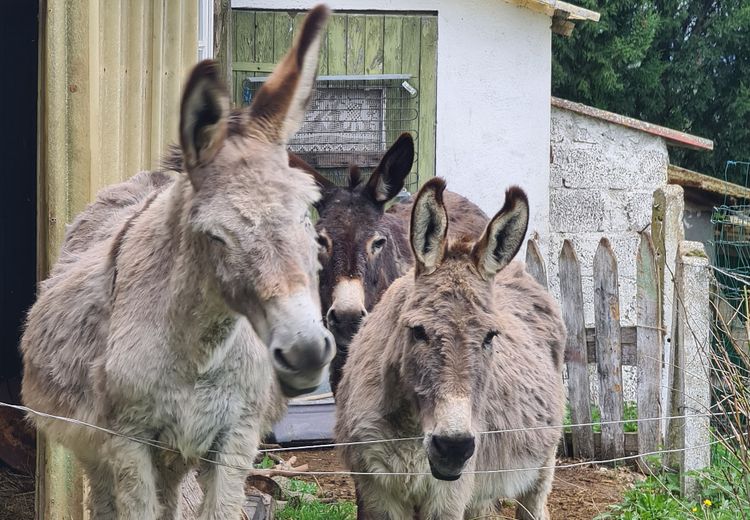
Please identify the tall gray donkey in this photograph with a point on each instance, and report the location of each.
(185, 305)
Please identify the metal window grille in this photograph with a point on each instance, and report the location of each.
(352, 120)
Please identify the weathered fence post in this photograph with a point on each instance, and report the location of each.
(576, 355)
(608, 349)
(691, 394)
(667, 231)
(649, 346)
(535, 263)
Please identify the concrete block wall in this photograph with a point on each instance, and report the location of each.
(602, 177)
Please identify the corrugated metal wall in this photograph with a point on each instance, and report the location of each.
(111, 77)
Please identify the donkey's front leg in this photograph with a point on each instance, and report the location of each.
(223, 479)
(171, 469)
(532, 505)
(134, 480)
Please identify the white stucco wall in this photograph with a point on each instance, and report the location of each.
(493, 96)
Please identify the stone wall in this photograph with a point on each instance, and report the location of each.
(602, 177)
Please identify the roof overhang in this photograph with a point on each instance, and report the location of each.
(710, 190)
(563, 14)
(671, 136)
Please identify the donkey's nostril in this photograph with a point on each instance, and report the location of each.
(331, 317)
(363, 313)
(279, 357)
(453, 448)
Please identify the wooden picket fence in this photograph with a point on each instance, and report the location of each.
(610, 347)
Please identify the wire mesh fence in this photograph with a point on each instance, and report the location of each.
(352, 120)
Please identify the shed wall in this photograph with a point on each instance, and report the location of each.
(602, 179)
(493, 95)
(112, 74)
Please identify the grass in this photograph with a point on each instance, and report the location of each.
(629, 413)
(725, 494)
(318, 511)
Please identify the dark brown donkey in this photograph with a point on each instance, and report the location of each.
(365, 247)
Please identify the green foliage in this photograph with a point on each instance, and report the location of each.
(266, 463)
(629, 413)
(318, 511)
(724, 496)
(684, 64)
(300, 486)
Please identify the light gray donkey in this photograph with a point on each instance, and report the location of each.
(466, 342)
(154, 320)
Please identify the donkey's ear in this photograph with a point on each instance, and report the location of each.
(279, 106)
(203, 116)
(429, 227)
(504, 234)
(388, 178)
(295, 161)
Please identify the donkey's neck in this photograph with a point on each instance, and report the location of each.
(199, 321)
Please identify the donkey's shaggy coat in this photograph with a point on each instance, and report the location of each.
(450, 351)
(153, 321)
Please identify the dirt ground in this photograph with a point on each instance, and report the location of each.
(578, 493)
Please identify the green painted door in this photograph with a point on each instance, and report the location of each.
(367, 46)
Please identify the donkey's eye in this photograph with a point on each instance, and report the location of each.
(216, 238)
(418, 333)
(487, 342)
(378, 244)
(324, 242)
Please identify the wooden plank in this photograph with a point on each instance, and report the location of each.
(243, 48)
(223, 40)
(283, 28)
(264, 28)
(411, 36)
(690, 179)
(427, 99)
(631, 444)
(337, 44)
(535, 263)
(392, 65)
(576, 360)
(251, 66)
(355, 44)
(608, 348)
(374, 44)
(649, 345)
(628, 337)
(323, 59)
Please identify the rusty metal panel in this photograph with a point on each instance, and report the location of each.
(112, 72)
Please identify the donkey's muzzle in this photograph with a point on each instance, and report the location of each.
(448, 455)
(301, 365)
(344, 324)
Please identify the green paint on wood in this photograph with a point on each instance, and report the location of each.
(411, 37)
(355, 44)
(337, 45)
(427, 99)
(243, 47)
(374, 45)
(246, 66)
(392, 30)
(264, 26)
(282, 35)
